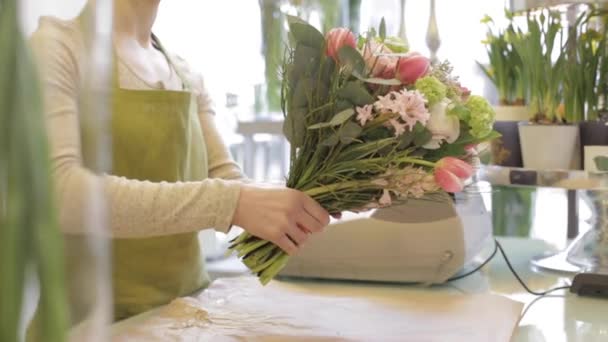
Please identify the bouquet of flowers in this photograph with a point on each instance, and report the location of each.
(370, 124)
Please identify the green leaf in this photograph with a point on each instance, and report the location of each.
(382, 29)
(294, 126)
(349, 132)
(337, 120)
(493, 135)
(343, 105)
(302, 92)
(331, 141)
(351, 59)
(423, 137)
(292, 19)
(601, 162)
(356, 93)
(306, 34)
(375, 80)
(406, 140)
(461, 111)
(327, 70)
(306, 61)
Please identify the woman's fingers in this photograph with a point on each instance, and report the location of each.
(298, 234)
(287, 245)
(309, 223)
(315, 210)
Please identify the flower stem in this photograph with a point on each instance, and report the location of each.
(323, 189)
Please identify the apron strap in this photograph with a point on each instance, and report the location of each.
(156, 44)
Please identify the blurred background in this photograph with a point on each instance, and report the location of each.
(239, 52)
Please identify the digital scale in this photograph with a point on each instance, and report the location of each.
(422, 241)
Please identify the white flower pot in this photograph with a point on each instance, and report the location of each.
(512, 113)
(550, 147)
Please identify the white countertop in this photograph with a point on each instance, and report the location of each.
(561, 317)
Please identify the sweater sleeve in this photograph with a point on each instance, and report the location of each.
(137, 208)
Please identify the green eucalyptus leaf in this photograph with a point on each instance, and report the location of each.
(349, 132)
(292, 19)
(328, 67)
(337, 120)
(294, 126)
(601, 162)
(331, 141)
(419, 128)
(423, 137)
(350, 58)
(306, 60)
(405, 140)
(356, 93)
(307, 35)
(302, 93)
(382, 29)
(343, 105)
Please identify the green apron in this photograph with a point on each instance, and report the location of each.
(156, 136)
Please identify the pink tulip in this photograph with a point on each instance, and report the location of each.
(450, 173)
(378, 59)
(337, 38)
(412, 67)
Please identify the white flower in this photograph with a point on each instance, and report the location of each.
(442, 126)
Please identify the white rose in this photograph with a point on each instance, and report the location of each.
(444, 127)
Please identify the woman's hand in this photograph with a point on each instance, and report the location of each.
(283, 216)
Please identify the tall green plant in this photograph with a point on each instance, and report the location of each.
(585, 68)
(505, 64)
(28, 233)
(540, 49)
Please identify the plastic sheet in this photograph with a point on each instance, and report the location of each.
(239, 309)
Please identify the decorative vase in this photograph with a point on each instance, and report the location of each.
(550, 147)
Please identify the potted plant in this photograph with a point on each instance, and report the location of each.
(548, 141)
(586, 81)
(504, 70)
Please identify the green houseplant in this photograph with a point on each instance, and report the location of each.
(28, 229)
(586, 78)
(504, 70)
(548, 141)
(512, 208)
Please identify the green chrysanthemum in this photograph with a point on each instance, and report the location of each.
(481, 116)
(432, 89)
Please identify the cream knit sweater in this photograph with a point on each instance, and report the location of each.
(137, 208)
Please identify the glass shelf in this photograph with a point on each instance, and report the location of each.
(589, 250)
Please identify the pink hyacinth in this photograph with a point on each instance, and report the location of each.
(364, 114)
(450, 173)
(399, 127)
(410, 105)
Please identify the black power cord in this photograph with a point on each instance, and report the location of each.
(498, 247)
(478, 267)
